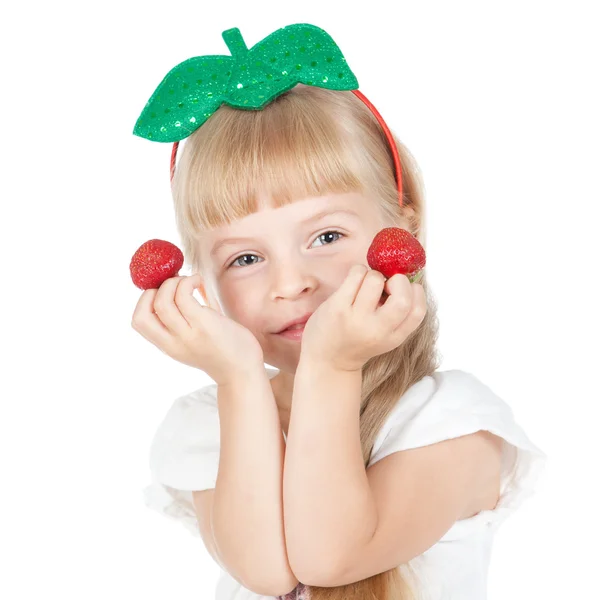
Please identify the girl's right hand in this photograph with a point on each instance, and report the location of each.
(193, 334)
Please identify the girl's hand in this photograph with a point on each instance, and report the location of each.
(349, 328)
(193, 334)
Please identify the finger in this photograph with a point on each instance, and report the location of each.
(141, 308)
(370, 292)
(189, 307)
(346, 293)
(144, 315)
(399, 303)
(157, 334)
(147, 323)
(416, 314)
(419, 309)
(165, 307)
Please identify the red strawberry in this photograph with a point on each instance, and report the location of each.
(394, 250)
(153, 262)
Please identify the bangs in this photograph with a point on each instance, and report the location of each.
(241, 161)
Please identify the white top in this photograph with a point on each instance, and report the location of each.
(184, 456)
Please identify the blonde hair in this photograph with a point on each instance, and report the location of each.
(312, 141)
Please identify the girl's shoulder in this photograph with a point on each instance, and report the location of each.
(198, 402)
(453, 403)
(445, 405)
(188, 408)
(195, 410)
(186, 442)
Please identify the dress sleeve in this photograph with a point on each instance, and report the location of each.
(453, 403)
(184, 456)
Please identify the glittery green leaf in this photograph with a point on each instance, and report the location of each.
(300, 53)
(185, 98)
(191, 92)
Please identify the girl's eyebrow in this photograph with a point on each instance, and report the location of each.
(328, 211)
(316, 217)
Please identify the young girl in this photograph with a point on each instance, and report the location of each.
(354, 469)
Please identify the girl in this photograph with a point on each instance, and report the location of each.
(354, 469)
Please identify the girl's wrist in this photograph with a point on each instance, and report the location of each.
(244, 376)
(315, 365)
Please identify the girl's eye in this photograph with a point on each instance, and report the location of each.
(327, 233)
(238, 258)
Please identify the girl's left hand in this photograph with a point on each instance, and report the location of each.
(349, 328)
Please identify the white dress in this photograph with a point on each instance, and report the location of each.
(184, 456)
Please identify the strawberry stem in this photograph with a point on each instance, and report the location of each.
(416, 278)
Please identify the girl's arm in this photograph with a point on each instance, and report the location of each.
(328, 504)
(247, 515)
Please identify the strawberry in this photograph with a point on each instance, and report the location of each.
(153, 262)
(394, 250)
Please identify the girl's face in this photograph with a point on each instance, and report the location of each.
(289, 261)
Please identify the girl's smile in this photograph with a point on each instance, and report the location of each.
(294, 334)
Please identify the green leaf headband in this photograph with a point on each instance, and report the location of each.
(248, 79)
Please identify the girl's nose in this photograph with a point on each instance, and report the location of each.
(290, 281)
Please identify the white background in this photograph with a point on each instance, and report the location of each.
(499, 103)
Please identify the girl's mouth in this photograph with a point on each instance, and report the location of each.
(293, 333)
